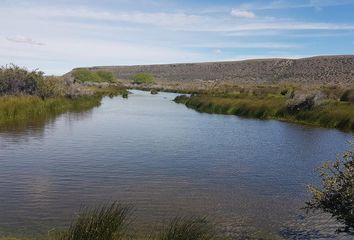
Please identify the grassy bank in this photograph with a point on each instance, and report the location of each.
(331, 113)
(19, 109)
(30, 96)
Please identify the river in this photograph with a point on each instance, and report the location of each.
(165, 160)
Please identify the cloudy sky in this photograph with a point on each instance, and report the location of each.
(57, 36)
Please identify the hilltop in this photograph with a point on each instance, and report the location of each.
(313, 70)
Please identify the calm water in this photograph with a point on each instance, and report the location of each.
(166, 160)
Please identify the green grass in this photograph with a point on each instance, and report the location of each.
(331, 114)
(19, 109)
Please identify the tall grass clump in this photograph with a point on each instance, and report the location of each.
(192, 228)
(107, 222)
(21, 109)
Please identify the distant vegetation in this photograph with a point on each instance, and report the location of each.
(84, 75)
(143, 78)
(336, 194)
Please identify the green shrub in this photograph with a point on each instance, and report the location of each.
(336, 195)
(51, 87)
(86, 75)
(143, 78)
(106, 76)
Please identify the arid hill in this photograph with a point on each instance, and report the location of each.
(314, 70)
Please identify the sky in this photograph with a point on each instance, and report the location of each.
(56, 36)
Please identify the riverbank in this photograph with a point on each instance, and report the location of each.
(29, 96)
(330, 113)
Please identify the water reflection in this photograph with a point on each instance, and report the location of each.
(35, 128)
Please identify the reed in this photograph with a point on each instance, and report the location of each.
(192, 228)
(106, 222)
(331, 114)
(15, 109)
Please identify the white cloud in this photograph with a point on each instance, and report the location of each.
(24, 40)
(246, 45)
(285, 4)
(242, 13)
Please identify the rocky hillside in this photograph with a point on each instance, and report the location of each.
(314, 70)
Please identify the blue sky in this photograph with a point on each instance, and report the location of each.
(57, 36)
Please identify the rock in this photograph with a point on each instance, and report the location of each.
(305, 101)
(154, 92)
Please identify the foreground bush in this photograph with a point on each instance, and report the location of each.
(336, 194)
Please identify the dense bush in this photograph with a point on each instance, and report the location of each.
(85, 75)
(51, 87)
(15, 80)
(336, 195)
(143, 78)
